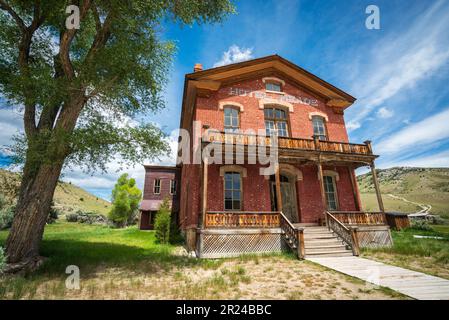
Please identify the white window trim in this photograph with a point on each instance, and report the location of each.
(154, 186)
(267, 102)
(233, 168)
(223, 104)
(330, 173)
(318, 114)
(273, 79)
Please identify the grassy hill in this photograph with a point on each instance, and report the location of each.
(68, 197)
(427, 186)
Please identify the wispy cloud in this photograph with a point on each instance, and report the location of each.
(385, 113)
(233, 55)
(430, 130)
(401, 60)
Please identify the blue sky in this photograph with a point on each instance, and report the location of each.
(399, 74)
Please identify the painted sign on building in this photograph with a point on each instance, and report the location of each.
(282, 98)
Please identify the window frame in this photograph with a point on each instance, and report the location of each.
(231, 127)
(334, 185)
(232, 191)
(275, 119)
(273, 82)
(323, 120)
(159, 186)
(173, 190)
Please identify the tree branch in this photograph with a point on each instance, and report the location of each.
(5, 6)
(66, 40)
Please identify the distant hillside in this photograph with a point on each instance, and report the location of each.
(425, 186)
(68, 197)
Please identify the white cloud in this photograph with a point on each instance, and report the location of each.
(430, 130)
(402, 59)
(353, 125)
(233, 55)
(385, 113)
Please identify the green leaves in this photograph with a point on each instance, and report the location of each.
(66, 81)
(125, 201)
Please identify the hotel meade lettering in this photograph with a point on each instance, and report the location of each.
(262, 95)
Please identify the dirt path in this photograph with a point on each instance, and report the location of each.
(425, 208)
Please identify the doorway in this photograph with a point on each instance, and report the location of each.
(288, 196)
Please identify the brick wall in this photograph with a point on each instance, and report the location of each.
(252, 117)
(165, 175)
(256, 189)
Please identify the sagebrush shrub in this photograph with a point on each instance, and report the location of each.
(6, 217)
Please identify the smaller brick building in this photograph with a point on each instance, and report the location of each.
(161, 182)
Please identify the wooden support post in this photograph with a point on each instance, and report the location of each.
(204, 189)
(354, 188)
(355, 241)
(301, 247)
(278, 186)
(368, 145)
(323, 194)
(376, 186)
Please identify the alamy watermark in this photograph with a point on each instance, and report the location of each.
(373, 20)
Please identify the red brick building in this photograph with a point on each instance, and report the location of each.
(161, 182)
(224, 204)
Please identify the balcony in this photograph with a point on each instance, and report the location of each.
(287, 143)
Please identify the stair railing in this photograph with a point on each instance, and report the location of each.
(294, 237)
(349, 235)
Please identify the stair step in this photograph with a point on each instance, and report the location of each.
(324, 250)
(313, 230)
(326, 246)
(319, 236)
(327, 254)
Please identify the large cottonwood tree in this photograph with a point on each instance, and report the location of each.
(76, 88)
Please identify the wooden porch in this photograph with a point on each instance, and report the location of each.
(230, 233)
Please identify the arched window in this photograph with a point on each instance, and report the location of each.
(276, 120)
(319, 127)
(231, 119)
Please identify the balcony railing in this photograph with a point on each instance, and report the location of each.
(289, 143)
(242, 219)
(360, 218)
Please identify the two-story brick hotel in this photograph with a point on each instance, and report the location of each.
(310, 202)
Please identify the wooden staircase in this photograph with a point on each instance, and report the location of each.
(307, 241)
(319, 241)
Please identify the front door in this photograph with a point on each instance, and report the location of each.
(288, 196)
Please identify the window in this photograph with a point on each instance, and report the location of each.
(172, 186)
(276, 120)
(319, 128)
(273, 86)
(232, 191)
(331, 194)
(157, 186)
(231, 119)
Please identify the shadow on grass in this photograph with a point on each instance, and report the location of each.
(90, 255)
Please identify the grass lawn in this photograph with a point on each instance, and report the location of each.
(426, 255)
(128, 264)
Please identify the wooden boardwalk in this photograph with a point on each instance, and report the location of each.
(411, 283)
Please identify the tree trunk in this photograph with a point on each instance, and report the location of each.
(33, 206)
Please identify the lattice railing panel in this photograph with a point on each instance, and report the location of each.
(229, 245)
(374, 238)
